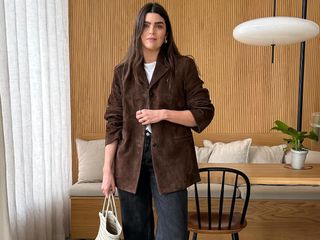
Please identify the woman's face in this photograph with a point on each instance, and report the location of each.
(154, 33)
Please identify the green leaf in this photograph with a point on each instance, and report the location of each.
(297, 138)
(300, 136)
(281, 124)
(312, 135)
(292, 131)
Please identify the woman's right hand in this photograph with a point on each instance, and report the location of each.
(108, 184)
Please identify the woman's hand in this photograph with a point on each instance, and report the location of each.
(108, 185)
(183, 117)
(147, 116)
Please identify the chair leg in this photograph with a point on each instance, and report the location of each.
(195, 236)
(235, 236)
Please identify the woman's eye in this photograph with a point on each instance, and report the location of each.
(145, 25)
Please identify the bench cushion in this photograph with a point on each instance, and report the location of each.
(94, 190)
(266, 154)
(215, 190)
(297, 192)
(86, 190)
(91, 160)
(232, 152)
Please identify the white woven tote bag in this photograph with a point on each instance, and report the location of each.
(110, 228)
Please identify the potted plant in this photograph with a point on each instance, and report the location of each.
(295, 143)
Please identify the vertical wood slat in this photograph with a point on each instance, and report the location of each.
(249, 92)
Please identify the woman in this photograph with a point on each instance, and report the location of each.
(156, 99)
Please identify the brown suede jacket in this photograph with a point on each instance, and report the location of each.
(173, 152)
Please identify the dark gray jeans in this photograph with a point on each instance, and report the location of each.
(136, 209)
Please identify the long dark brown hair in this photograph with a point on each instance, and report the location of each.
(134, 57)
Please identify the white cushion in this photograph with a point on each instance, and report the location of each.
(233, 152)
(282, 192)
(203, 153)
(90, 159)
(312, 157)
(94, 190)
(87, 190)
(215, 190)
(266, 154)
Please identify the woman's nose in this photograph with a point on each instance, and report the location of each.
(151, 29)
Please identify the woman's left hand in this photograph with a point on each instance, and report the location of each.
(147, 116)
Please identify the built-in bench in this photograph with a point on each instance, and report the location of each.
(275, 212)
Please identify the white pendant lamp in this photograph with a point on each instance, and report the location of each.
(275, 31)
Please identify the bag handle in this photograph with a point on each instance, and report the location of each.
(111, 203)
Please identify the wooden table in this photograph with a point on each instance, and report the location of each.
(274, 173)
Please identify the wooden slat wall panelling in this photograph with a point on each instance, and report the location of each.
(249, 92)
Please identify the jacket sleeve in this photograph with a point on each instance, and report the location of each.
(113, 114)
(198, 99)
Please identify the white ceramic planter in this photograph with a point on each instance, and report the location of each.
(298, 158)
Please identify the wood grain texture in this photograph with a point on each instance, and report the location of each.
(267, 220)
(249, 92)
(275, 173)
(85, 218)
(277, 219)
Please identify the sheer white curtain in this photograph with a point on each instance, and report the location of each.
(4, 218)
(35, 95)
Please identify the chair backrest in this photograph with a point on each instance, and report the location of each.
(226, 178)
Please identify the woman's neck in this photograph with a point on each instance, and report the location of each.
(150, 56)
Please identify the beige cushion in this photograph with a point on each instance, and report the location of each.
(91, 160)
(266, 154)
(94, 190)
(86, 190)
(233, 152)
(282, 192)
(312, 157)
(203, 153)
(215, 190)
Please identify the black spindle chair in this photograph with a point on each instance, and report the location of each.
(216, 213)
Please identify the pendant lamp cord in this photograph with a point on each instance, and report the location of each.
(273, 45)
(301, 71)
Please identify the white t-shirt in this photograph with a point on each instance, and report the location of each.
(149, 68)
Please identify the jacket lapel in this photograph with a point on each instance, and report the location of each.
(142, 77)
(162, 68)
